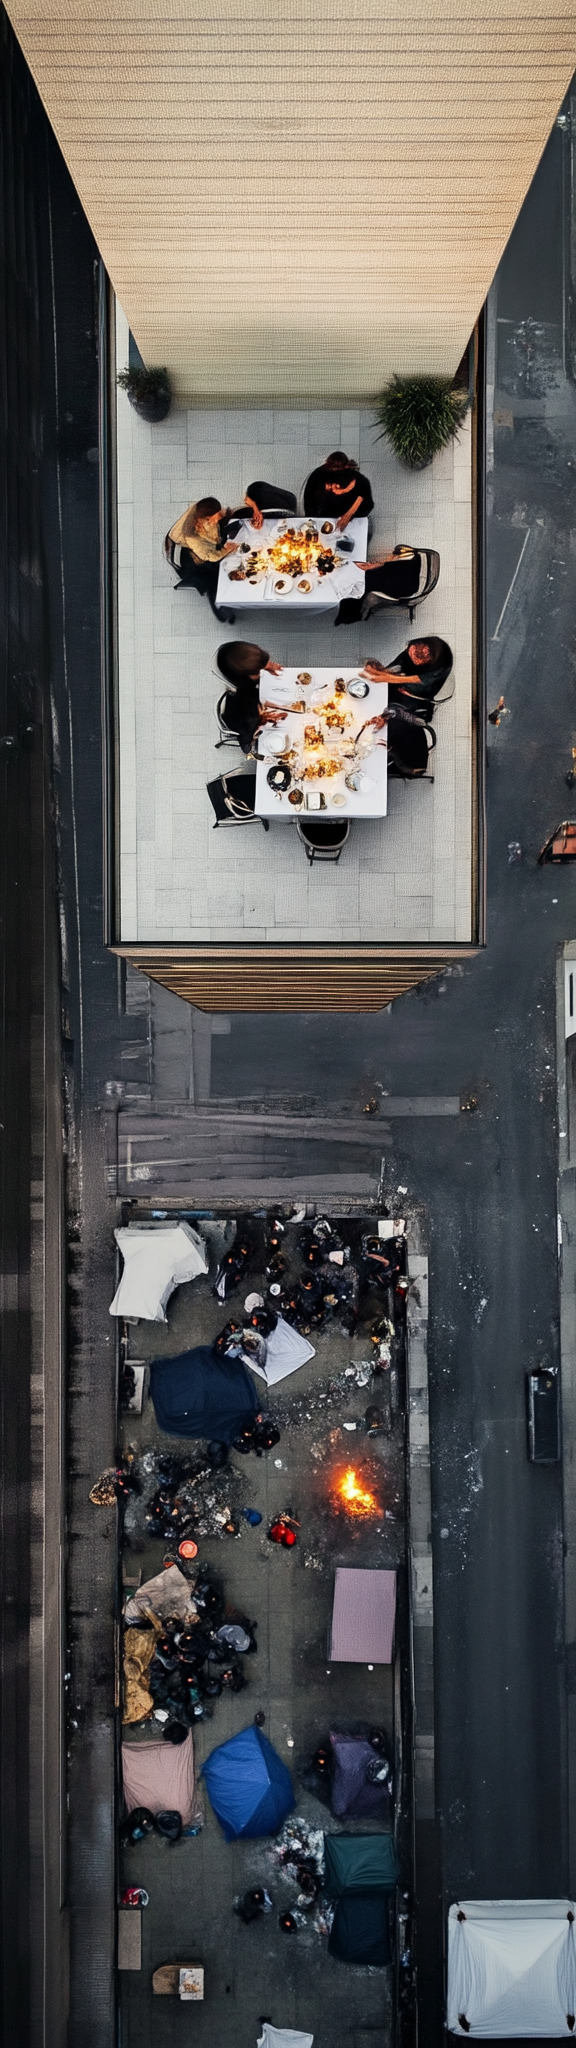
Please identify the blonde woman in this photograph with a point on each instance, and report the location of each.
(197, 544)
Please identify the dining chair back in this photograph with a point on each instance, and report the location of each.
(407, 693)
(323, 842)
(376, 600)
(409, 749)
(232, 799)
(228, 738)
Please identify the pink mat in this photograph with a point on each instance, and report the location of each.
(159, 1775)
(363, 1617)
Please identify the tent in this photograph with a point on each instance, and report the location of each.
(160, 1777)
(156, 1260)
(200, 1394)
(358, 1863)
(363, 1617)
(512, 1969)
(282, 2037)
(360, 1931)
(352, 1792)
(249, 1786)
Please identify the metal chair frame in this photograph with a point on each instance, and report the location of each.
(331, 853)
(250, 817)
(377, 600)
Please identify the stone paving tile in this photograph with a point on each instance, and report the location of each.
(407, 873)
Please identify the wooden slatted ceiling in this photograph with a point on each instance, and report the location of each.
(293, 201)
(296, 979)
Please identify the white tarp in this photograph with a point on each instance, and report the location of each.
(286, 1350)
(512, 1969)
(155, 1262)
(282, 2037)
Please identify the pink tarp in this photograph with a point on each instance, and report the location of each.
(159, 1775)
(363, 1617)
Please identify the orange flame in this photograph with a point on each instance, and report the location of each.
(354, 1497)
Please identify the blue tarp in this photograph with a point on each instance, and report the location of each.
(250, 1788)
(200, 1394)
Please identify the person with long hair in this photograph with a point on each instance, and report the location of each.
(242, 665)
(196, 545)
(337, 490)
(416, 674)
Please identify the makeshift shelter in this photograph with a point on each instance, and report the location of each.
(359, 1863)
(360, 1932)
(160, 1777)
(199, 1393)
(156, 1260)
(250, 1788)
(286, 1350)
(168, 1594)
(352, 1792)
(512, 1969)
(363, 1617)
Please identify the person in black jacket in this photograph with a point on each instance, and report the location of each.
(242, 665)
(417, 674)
(338, 491)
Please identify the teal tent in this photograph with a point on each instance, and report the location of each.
(359, 1863)
(360, 1931)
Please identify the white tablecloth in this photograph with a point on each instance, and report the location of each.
(370, 802)
(326, 592)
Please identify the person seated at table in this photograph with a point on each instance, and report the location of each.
(263, 498)
(200, 536)
(242, 665)
(417, 674)
(337, 490)
(396, 575)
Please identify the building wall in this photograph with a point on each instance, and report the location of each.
(292, 202)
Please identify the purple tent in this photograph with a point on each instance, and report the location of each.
(352, 1792)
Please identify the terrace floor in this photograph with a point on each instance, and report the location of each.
(407, 877)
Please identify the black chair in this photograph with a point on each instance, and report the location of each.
(323, 842)
(228, 737)
(376, 600)
(407, 693)
(232, 800)
(409, 748)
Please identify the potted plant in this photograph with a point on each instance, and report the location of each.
(148, 391)
(419, 415)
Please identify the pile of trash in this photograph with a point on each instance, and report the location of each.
(183, 1658)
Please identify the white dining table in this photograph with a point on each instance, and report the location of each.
(369, 800)
(284, 593)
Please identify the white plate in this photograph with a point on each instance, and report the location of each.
(275, 742)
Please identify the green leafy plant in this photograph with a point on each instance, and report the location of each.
(420, 415)
(148, 391)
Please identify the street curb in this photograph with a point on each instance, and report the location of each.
(420, 1539)
(566, 1104)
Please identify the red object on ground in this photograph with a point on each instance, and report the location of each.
(187, 1548)
(280, 1532)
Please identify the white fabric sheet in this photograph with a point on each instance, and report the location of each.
(511, 1969)
(155, 1262)
(168, 1593)
(326, 592)
(283, 2037)
(286, 1350)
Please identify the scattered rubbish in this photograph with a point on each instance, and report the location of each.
(253, 1301)
(259, 1719)
(363, 1374)
(469, 1102)
(133, 1895)
(252, 1516)
(401, 1191)
(514, 852)
(349, 1425)
(278, 1464)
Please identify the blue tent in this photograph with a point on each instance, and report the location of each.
(249, 1786)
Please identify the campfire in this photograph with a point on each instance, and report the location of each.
(349, 1493)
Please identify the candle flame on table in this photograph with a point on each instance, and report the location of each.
(354, 1497)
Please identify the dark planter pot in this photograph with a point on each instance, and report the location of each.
(152, 409)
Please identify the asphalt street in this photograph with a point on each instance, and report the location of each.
(485, 1182)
